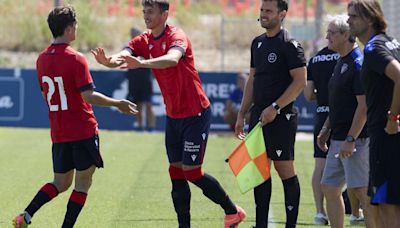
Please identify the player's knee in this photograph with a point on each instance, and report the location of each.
(176, 173)
(62, 185)
(194, 175)
(83, 184)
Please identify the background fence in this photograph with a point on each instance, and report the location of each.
(22, 105)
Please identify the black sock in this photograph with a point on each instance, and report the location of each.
(74, 207)
(262, 198)
(181, 199)
(45, 194)
(292, 199)
(214, 191)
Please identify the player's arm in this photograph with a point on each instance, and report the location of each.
(392, 71)
(294, 89)
(359, 120)
(99, 99)
(296, 86)
(247, 101)
(309, 91)
(170, 59)
(323, 135)
(109, 61)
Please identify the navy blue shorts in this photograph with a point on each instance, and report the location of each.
(279, 135)
(79, 155)
(384, 156)
(186, 138)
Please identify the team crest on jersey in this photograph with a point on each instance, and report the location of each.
(272, 57)
(150, 47)
(163, 46)
(259, 44)
(344, 68)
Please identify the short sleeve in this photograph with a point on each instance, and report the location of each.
(252, 58)
(179, 40)
(310, 76)
(295, 54)
(83, 78)
(377, 57)
(357, 84)
(137, 45)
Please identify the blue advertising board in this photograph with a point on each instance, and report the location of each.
(22, 105)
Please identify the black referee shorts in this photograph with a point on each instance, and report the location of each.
(279, 135)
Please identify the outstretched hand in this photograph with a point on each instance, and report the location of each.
(130, 62)
(101, 57)
(127, 107)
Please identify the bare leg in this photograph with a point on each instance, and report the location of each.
(63, 181)
(390, 215)
(335, 205)
(140, 107)
(151, 118)
(83, 179)
(316, 185)
(354, 202)
(370, 211)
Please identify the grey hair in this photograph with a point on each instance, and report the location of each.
(340, 21)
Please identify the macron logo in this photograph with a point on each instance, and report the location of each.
(193, 157)
(325, 58)
(204, 135)
(279, 152)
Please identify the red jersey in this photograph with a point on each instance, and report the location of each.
(180, 85)
(63, 74)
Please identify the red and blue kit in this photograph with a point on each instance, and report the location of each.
(63, 74)
(180, 85)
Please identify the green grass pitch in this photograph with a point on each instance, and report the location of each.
(133, 190)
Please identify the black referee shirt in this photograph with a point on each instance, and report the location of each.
(272, 58)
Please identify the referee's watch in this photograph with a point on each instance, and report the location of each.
(276, 107)
(350, 138)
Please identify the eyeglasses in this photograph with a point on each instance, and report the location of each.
(331, 33)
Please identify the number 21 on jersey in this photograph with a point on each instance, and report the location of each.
(61, 91)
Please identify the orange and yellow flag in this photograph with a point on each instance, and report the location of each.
(249, 161)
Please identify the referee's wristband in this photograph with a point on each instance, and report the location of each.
(393, 117)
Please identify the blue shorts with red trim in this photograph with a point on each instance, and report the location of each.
(186, 138)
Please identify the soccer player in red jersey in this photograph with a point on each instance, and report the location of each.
(167, 50)
(68, 88)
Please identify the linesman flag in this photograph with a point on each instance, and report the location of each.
(249, 161)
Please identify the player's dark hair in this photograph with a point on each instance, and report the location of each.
(162, 4)
(282, 4)
(60, 18)
(370, 10)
